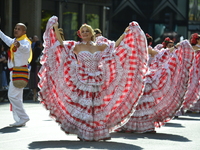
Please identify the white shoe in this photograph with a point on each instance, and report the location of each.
(11, 125)
(21, 123)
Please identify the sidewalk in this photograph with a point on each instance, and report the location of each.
(42, 133)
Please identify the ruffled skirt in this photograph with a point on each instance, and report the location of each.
(165, 87)
(74, 104)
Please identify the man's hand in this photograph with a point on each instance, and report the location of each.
(16, 43)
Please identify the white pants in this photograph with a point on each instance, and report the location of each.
(15, 96)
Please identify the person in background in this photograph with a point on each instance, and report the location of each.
(97, 32)
(35, 66)
(165, 86)
(191, 99)
(168, 43)
(3, 60)
(19, 55)
(34, 39)
(151, 51)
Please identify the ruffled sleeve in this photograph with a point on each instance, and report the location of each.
(108, 52)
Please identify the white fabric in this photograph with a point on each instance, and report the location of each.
(15, 96)
(22, 54)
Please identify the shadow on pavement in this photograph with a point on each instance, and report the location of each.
(191, 115)
(191, 119)
(79, 145)
(8, 130)
(176, 125)
(156, 136)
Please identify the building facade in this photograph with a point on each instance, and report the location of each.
(71, 13)
(159, 18)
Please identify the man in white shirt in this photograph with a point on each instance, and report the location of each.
(20, 50)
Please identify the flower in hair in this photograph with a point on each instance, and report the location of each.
(194, 38)
(79, 33)
(166, 41)
(195, 35)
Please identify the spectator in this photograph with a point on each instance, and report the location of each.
(34, 39)
(97, 32)
(3, 60)
(35, 66)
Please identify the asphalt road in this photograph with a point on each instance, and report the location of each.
(42, 133)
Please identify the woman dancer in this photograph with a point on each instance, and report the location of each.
(165, 86)
(92, 94)
(191, 99)
(167, 43)
(151, 51)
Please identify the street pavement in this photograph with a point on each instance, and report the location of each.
(43, 133)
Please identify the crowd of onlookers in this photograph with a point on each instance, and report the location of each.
(33, 66)
(4, 71)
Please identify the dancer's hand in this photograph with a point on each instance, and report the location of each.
(55, 25)
(177, 45)
(127, 29)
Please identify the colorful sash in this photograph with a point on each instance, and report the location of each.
(20, 76)
(14, 49)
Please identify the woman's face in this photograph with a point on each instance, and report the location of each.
(86, 34)
(169, 45)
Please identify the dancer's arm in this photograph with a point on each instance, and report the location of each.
(174, 47)
(58, 36)
(152, 52)
(121, 37)
(195, 48)
(9, 41)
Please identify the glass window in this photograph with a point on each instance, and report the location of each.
(70, 21)
(194, 10)
(48, 10)
(70, 25)
(46, 14)
(93, 20)
(92, 15)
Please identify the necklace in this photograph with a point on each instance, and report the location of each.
(90, 42)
